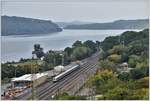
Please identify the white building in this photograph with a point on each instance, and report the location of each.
(27, 80)
(59, 68)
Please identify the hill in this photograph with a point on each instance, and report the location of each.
(119, 24)
(12, 25)
(64, 24)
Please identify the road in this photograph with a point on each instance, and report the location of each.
(71, 83)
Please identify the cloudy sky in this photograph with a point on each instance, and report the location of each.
(96, 11)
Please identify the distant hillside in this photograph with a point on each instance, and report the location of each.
(64, 24)
(119, 24)
(27, 26)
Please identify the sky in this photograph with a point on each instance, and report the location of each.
(92, 11)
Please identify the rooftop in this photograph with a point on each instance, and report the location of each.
(29, 77)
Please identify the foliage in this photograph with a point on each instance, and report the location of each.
(77, 44)
(114, 58)
(125, 76)
(133, 60)
(66, 96)
(131, 47)
(38, 51)
(106, 64)
(52, 57)
(109, 42)
(138, 73)
(78, 51)
(91, 45)
(124, 57)
(117, 93)
(117, 49)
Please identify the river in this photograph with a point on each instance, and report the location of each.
(15, 47)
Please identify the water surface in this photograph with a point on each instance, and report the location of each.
(15, 47)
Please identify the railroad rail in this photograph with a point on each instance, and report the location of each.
(45, 91)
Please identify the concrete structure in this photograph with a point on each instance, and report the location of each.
(124, 66)
(27, 79)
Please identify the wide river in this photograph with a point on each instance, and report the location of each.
(16, 47)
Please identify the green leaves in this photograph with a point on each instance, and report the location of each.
(132, 48)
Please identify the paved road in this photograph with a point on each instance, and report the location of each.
(69, 83)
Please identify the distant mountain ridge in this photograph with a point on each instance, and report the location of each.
(12, 25)
(64, 24)
(119, 24)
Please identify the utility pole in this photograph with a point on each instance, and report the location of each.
(62, 62)
(33, 71)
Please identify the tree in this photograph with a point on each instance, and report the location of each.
(90, 44)
(115, 58)
(124, 57)
(106, 64)
(66, 96)
(68, 51)
(109, 42)
(38, 51)
(133, 60)
(53, 58)
(118, 49)
(80, 53)
(77, 44)
(125, 76)
(117, 94)
(137, 73)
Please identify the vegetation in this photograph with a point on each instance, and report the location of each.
(13, 25)
(119, 24)
(66, 96)
(46, 61)
(131, 47)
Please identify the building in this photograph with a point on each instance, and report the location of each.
(59, 68)
(27, 80)
(124, 66)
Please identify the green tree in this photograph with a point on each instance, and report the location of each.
(106, 64)
(117, 94)
(80, 53)
(133, 60)
(115, 58)
(124, 57)
(125, 76)
(38, 51)
(77, 44)
(118, 49)
(90, 44)
(138, 73)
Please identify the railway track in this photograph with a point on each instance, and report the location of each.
(48, 89)
(60, 85)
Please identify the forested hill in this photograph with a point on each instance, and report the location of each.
(119, 24)
(141, 39)
(114, 83)
(27, 26)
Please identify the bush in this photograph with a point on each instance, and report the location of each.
(117, 94)
(114, 58)
(137, 73)
(133, 60)
(124, 76)
(105, 64)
